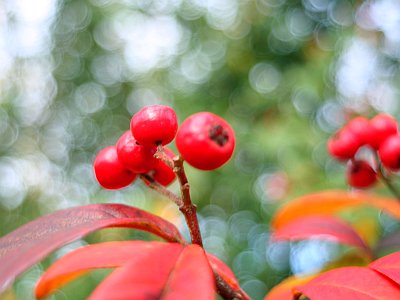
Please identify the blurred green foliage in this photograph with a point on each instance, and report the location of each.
(285, 74)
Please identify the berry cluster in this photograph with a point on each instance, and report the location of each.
(204, 140)
(380, 134)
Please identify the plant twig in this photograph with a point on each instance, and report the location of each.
(160, 154)
(184, 203)
(388, 182)
(161, 189)
(188, 208)
(391, 187)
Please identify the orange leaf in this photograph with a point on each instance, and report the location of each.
(350, 283)
(76, 263)
(324, 227)
(284, 290)
(172, 272)
(388, 265)
(30, 243)
(329, 202)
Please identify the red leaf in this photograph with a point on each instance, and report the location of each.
(226, 274)
(388, 265)
(324, 227)
(111, 255)
(30, 243)
(284, 290)
(351, 283)
(76, 263)
(224, 271)
(329, 202)
(171, 272)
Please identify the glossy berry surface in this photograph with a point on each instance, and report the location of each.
(360, 174)
(383, 126)
(154, 125)
(205, 141)
(162, 173)
(110, 172)
(389, 152)
(344, 144)
(361, 128)
(135, 157)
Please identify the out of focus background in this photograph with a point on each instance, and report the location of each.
(285, 74)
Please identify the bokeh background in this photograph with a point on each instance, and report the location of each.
(286, 75)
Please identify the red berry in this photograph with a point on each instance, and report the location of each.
(154, 125)
(205, 141)
(360, 174)
(110, 172)
(361, 128)
(383, 126)
(137, 158)
(344, 144)
(162, 173)
(389, 152)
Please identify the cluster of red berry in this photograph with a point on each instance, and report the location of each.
(204, 140)
(379, 134)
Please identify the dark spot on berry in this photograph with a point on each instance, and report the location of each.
(218, 134)
(355, 167)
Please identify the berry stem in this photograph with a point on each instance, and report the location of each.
(160, 154)
(189, 211)
(188, 208)
(386, 180)
(161, 189)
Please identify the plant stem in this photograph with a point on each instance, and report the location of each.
(391, 187)
(188, 208)
(388, 182)
(160, 154)
(185, 204)
(161, 189)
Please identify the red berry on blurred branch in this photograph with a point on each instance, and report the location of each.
(205, 141)
(154, 125)
(389, 152)
(137, 158)
(360, 174)
(110, 172)
(344, 144)
(382, 127)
